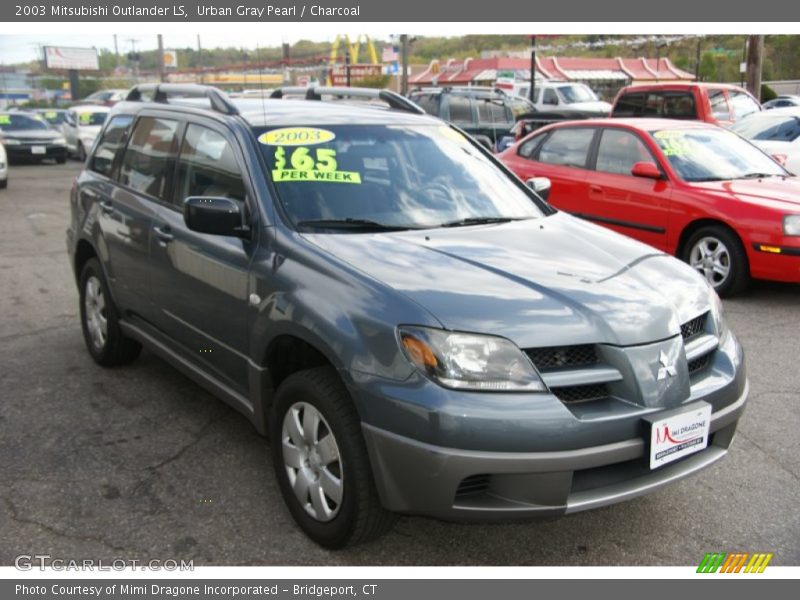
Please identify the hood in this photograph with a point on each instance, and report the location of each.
(542, 282)
(597, 106)
(780, 193)
(32, 134)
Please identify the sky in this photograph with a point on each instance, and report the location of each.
(23, 48)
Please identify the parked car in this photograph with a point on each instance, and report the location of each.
(81, 126)
(28, 137)
(776, 132)
(3, 167)
(530, 122)
(782, 101)
(717, 103)
(105, 97)
(564, 96)
(54, 116)
(418, 332)
(486, 114)
(690, 189)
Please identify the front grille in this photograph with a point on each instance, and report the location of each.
(698, 364)
(474, 484)
(694, 327)
(557, 357)
(581, 393)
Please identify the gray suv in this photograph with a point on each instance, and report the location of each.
(412, 326)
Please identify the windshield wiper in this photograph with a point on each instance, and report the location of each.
(363, 224)
(478, 221)
(757, 175)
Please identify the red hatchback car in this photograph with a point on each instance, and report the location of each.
(693, 190)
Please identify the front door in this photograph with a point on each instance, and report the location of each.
(200, 281)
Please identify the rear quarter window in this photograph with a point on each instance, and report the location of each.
(106, 150)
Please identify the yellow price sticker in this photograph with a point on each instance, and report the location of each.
(296, 136)
(305, 166)
(50, 115)
(85, 118)
(5, 119)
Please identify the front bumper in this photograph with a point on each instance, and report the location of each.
(418, 478)
(472, 456)
(25, 151)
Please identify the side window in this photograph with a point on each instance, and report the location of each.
(460, 110)
(550, 97)
(207, 166)
(719, 105)
(492, 110)
(150, 156)
(103, 158)
(629, 105)
(527, 149)
(619, 151)
(428, 102)
(568, 146)
(742, 104)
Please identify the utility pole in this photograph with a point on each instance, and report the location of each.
(755, 56)
(697, 59)
(200, 57)
(160, 67)
(532, 90)
(116, 51)
(404, 56)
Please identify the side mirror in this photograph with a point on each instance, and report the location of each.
(214, 215)
(780, 159)
(646, 169)
(540, 186)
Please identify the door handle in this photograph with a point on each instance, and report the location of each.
(106, 207)
(164, 233)
(595, 189)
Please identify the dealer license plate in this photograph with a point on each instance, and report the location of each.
(679, 435)
(38, 149)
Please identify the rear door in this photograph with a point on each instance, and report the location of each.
(634, 206)
(123, 213)
(200, 281)
(719, 107)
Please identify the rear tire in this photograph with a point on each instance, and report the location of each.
(3, 184)
(81, 152)
(100, 320)
(718, 255)
(320, 457)
(61, 160)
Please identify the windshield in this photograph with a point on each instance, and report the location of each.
(16, 122)
(576, 93)
(714, 154)
(399, 177)
(54, 117)
(91, 119)
(775, 128)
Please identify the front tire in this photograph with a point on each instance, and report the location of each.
(321, 461)
(718, 255)
(81, 152)
(100, 320)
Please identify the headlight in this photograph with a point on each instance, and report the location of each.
(717, 313)
(791, 225)
(9, 141)
(59, 141)
(469, 361)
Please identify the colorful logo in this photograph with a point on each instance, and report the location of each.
(734, 562)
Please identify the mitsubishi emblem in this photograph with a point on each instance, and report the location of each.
(666, 369)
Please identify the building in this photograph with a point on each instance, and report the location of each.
(604, 75)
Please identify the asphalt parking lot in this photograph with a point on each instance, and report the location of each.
(140, 463)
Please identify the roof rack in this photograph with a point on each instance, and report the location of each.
(160, 92)
(393, 99)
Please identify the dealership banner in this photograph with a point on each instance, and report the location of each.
(394, 11)
(388, 589)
